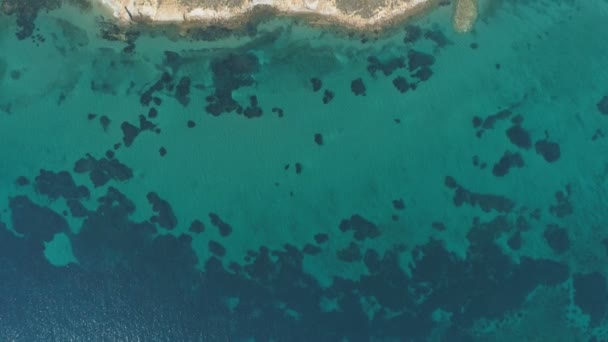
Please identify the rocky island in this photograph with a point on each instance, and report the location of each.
(362, 14)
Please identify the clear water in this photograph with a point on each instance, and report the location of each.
(471, 208)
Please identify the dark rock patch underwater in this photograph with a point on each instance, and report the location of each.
(149, 275)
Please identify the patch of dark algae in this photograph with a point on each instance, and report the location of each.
(230, 73)
(100, 171)
(26, 12)
(150, 276)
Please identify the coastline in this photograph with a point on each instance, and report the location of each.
(232, 17)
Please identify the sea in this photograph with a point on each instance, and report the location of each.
(285, 181)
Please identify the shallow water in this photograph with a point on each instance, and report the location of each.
(441, 187)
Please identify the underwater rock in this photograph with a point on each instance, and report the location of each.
(358, 87)
(59, 184)
(602, 106)
(103, 170)
(401, 84)
(224, 228)
(549, 150)
(196, 227)
(35, 221)
(557, 238)
(507, 161)
(165, 218)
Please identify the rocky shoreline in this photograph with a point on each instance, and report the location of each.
(363, 14)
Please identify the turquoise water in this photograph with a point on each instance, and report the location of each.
(296, 184)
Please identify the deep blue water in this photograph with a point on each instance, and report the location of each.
(292, 183)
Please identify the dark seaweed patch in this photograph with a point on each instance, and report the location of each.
(440, 226)
(317, 84)
(105, 122)
(487, 202)
(450, 182)
(165, 218)
(321, 238)
(209, 33)
(362, 228)
(172, 61)
(401, 84)
(477, 121)
(399, 204)
(77, 209)
(504, 288)
(111, 31)
(515, 241)
(253, 111)
(517, 119)
(597, 134)
(358, 87)
(217, 248)
(328, 95)
(103, 170)
(34, 221)
(350, 253)
(490, 120)
(152, 113)
(279, 111)
(130, 131)
(437, 37)
(563, 207)
(224, 228)
(519, 137)
(15, 74)
(591, 295)
(230, 73)
(311, 249)
(59, 184)
(412, 34)
(196, 227)
(154, 273)
(107, 231)
(22, 181)
(318, 139)
(418, 59)
(372, 261)
(557, 238)
(507, 161)
(26, 13)
(388, 66)
(164, 82)
(549, 150)
(423, 74)
(476, 160)
(602, 105)
(182, 91)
